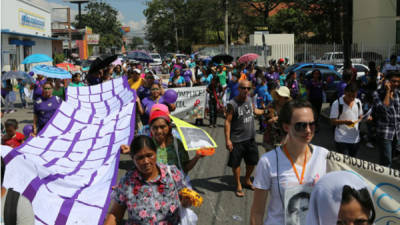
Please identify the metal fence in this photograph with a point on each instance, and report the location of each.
(306, 52)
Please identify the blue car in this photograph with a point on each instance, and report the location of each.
(299, 67)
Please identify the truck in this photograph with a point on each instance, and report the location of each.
(336, 58)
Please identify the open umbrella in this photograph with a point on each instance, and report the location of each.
(67, 66)
(17, 75)
(37, 58)
(140, 56)
(51, 71)
(222, 58)
(248, 57)
(102, 62)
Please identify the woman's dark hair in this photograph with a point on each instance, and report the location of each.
(320, 74)
(75, 75)
(49, 83)
(363, 197)
(290, 75)
(352, 88)
(285, 115)
(141, 141)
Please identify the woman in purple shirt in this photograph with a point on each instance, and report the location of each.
(44, 107)
(315, 90)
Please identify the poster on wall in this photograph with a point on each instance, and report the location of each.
(31, 20)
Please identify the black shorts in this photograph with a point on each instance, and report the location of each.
(247, 150)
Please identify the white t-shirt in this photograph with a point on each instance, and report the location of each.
(344, 133)
(266, 178)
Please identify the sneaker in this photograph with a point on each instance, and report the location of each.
(369, 145)
(11, 111)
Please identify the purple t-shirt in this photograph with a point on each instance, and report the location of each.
(37, 92)
(340, 88)
(274, 76)
(44, 108)
(143, 92)
(315, 88)
(187, 75)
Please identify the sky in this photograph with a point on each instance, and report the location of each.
(130, 12)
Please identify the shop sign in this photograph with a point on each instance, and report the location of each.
(93, 39)
(31, 20)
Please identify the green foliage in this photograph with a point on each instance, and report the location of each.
(102, 18)
(291, 20)
(136, 41)
(58, 58)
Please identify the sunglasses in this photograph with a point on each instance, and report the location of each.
(155, 89)
(302, 126)
(245, 88)
(47, 88)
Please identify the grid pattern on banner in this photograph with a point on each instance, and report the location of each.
(67, 170)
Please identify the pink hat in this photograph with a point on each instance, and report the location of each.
(160, 107)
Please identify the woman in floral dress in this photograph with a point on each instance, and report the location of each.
(150, 191)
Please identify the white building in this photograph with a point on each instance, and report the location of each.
(281, 46)
(25, 30)
(376, 23)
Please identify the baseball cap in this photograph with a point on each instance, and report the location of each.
(158, 114)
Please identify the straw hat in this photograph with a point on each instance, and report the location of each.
(282, 91)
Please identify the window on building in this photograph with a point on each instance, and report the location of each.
(27, 52)
(398, 8)
(398, 32)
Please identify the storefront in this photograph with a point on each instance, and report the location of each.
(25, 30)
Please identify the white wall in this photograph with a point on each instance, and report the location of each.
(374, 22)
(12, 11)
(282, 45)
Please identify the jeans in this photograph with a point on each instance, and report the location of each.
(212, 107)
(347, 148)
(386, 148)
(22, 96)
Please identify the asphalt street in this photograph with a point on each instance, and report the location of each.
(213, 179)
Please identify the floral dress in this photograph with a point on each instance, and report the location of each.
(151, 202)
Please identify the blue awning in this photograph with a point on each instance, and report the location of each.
(22, 42)
(7, 31)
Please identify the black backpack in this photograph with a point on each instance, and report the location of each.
(341, 109)
(10, 207)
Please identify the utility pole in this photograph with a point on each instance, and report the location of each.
(347, 32)
(176, 33)
(69, 30)
(226, 34)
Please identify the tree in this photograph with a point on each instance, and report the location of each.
(264, 7)
(102, 18)
(136, 41)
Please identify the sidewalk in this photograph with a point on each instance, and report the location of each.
(23, 116)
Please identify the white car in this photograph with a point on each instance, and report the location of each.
(157, 59)
(361, 69)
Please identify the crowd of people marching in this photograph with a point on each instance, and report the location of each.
(287, 106)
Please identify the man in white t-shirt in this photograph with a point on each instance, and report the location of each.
(345, 114)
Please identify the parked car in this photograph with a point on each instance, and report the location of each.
(369, 56)
(362, 69)
(307, 58)
(335, 58)
(299, 67)
(157, 59)
(330, 78)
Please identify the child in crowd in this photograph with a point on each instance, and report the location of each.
(12, 138)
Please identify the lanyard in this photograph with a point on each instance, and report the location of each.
(294, 167)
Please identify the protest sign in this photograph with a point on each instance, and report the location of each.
(193, 138)
(191, 102)
(68, 169)
(383, 182)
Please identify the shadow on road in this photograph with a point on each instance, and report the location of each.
(214, 184)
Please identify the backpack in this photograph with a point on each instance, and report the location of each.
(341, 108)
(10, 207)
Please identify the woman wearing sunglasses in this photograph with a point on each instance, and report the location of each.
(148, 102)
(289, 169)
